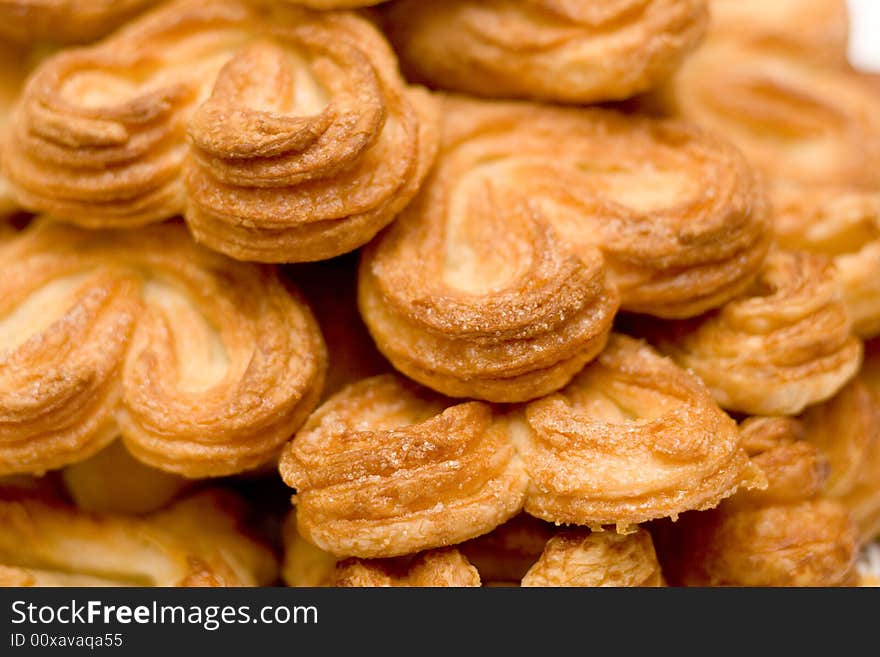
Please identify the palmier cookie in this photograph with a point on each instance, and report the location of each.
(199, 541)
(384, 468)
(204, 365)
(281, 133)
(814, 132)
(545, 49)
(783, 536)
(581, 558)
(817, 30)
(785, 344)
(632, 438)
(501, 279)
(847, 431)
(65, 21)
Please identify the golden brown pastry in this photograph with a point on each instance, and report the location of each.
(784, 344)
(16, 62)
(445, 567)
(335, 4)
(782, 536)
(580, 52)
(583, 558)
(504, 555)
(113, 481)
(817, 29)
(499, 281)
(847, 430)
(384, 469)
(284, 134)
(631, 438)
(196, 542)
(65, 21)
(813, 130)
(204, 365)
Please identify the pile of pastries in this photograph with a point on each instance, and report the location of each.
(508, 292)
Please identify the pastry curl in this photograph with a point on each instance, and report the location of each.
(335, 4)
(384, 469)
(113, 481)
(446, 567)
(817, 30)
(146, 334)
(588, 559)
(783, 345)
(814, 132)
(496, 282)
(197, 542)
(284, 134)
(631, 438)
(847, 430)
(65, 21)
(783, 536)
(545, 49)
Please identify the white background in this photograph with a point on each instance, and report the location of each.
(864, 46)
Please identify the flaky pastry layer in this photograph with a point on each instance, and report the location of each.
(204, 365)
(581, 558)
(282, 134)
(786, 343)
(501, 279)
(782, 536)
(545, 49)
(633, 437)
(385, 468)
(197, 542)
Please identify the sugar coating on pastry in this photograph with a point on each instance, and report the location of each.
(632, 438)
(196, 542)
(784, 344)
(445, 567)
(581, 558)
(281, 134)
(113, 481)
(204, 365)
(578, 52)
(65, 21)
(814, 131)
(783, 536)
(384, 468)
(501, 279)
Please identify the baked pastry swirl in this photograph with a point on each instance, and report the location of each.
(501, 279)
(818, 29)
(814, 131)
(782, 536)
(385, 469)
(65, 21)
(204, 365)
(197, 542)
(545, 49)
(446, 567)
(847, 430)
(784, 344)
(504, 555)
(631, 438)
(282, 134)
(588, 559)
